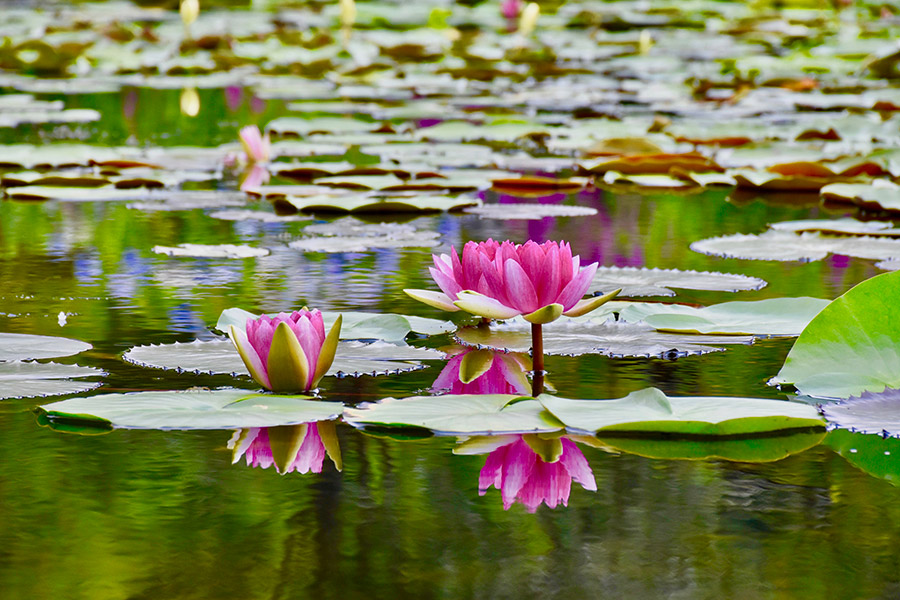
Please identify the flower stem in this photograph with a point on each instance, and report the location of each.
(537, 359)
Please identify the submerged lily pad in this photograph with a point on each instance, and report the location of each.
(636, 281)
(211, 251)
(529, 211)
(573, 337)
(457, 414)
(651, 411)
(22, 346)
(193, 409)
(872, 454)
(30, 379)
(217, 357)
(773, 316)
(852, 346)
(765, 448)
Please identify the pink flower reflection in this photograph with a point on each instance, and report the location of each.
(523, 476)
(505, 375)
(291, 448)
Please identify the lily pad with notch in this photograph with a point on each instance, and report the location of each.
(32, 379)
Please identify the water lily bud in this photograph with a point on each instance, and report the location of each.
(190, 102)
(348, 13)
(189, 10)
(529, 18)
(645, 42)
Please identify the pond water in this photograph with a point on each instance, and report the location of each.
(147, 513)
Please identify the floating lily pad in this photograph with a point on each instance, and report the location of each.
(364, 203)
(354, 236)
(851, 346)
(21, 346)
(788, 246)
(529, 211)
(651, 411)
(572, 337)
(885, 196)
(774, 316)
(74, 194)
(256, 215)
(211, 251)
(194, 409)
(839, 226)
(456, 414)
(768, 448)
(30, 379)
(636, 281)
(869, 413)
(217, 357)
(172, 200)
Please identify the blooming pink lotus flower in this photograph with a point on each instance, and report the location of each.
(256, 146)
(287, 353)
(522, 475)
(503, 280)
(301, 448)
(510, 9)
(485, 372)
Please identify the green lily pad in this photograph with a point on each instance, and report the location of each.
(574, 337)
(193, 409)
(30, 379)
(636, 281)
(365, 203)
(871, 454)
(211, 251)
(851, 346)
(788, 246)
(468, 414)
(21, 346)
(349, 235)
(651, 411)
(881, 196)
(768, 448)
(218, 357)
(529, 211)
(774, 316)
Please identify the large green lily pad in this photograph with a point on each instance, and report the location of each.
(31, 379)
(651, 411)
(468, 414)
(852, 346)
(872, 454)
(193, 409)
(22, 346)
(636, 281)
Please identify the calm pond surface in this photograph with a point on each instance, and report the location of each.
(167, 514)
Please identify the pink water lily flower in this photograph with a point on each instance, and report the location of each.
(288, 352)
(291, 448)
(485, 372)
(510, 9)
(257, 147)
(523, 476)
(503, 280)
(254, 177)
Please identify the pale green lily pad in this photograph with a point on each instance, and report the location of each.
(193, 409)
(456, 414)
(364, 203)
(770, 317)
(574, 337)
(354, 236)
(529, 211)
(22, 346)
(216, 357)
(767, 448)
(838, 226)
(256, 215)
(356, 325)
(871, 454)
(788, 246)
(30, 379)
(868, 413)
(211, 251)
(636, 281)
(851, 346)
(651, 411)
(75, 194)
(462, 131)
(174, 200)
(883, 196)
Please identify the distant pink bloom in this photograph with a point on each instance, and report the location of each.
(256, 146)
(503, 280)
(521, 475)
(288, 352)
(255, 446)
(506, 374)
(510, 9)
(233, 97)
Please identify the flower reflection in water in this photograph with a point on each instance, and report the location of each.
(301, 448)
(484, 372)
(530, 469)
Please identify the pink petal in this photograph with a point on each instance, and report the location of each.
(531, 259)
(447, 284)
(259, 334)
(577, 465)
(566, 264)
(578, 287)
(548, 282)
(519, 288)
(517, 468)
(311, 455)
(448, 379)
(492, 472)
(310, 343)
